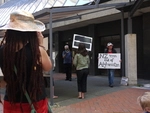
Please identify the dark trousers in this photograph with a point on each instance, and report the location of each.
(82, 80)
(47, 81)
(68, 68)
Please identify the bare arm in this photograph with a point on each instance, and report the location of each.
(46, 62)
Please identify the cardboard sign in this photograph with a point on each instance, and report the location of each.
(82, 39)
(124, 81)
(109, 61)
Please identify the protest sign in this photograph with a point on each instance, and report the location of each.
(82, 39)
(109, 61)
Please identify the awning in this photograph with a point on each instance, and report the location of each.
(34, 6)
(41, 9)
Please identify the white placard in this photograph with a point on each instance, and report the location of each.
(109, 61)
(1, 74)
(82, 39)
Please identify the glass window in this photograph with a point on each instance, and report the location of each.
(49, 3)
(70, 3)
(82, 2)
(59, 3)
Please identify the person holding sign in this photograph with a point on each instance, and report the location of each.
(81, 62)
(110, 50)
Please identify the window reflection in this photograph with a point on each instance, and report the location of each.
(82, 2)
(70, 3)
(59, 3)
(49, 3)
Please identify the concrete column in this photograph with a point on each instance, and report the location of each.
(131, 58)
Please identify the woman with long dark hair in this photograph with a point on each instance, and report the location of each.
(22, 60)
(81, 62)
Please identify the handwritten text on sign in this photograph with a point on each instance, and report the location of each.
(109, 61)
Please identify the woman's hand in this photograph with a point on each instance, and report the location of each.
(46, 62)
(40, 37)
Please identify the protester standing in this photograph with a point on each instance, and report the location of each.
(22, 60)
(81, 62)
(67, 61)
(110, 72)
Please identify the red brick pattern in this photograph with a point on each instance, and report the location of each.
(124, 101)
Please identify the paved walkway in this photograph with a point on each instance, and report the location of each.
(124, 101)
(99, 97)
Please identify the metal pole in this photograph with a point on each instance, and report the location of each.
(51, 57)
(129, 24)
(97, 2)
(135, 7)
(122, 45)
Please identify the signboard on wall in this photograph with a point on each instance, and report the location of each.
(77, 39)
(109, 61)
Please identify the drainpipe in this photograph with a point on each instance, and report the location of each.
(122, 45)
(129, 24)
(51, 56)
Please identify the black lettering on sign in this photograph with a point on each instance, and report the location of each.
(103, 56)
(112, 59)
(113, 64)
(113, 56)
(104, 64)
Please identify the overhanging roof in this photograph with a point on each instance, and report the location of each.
(35, 5)
(64, 12)
(61, 9)
(40, 8)
(127, 7)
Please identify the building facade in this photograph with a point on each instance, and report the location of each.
(105, 26)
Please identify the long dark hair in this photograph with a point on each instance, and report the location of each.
(82, 50)
(11, 44)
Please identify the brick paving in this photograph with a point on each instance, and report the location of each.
(124, 101)
(99, 98)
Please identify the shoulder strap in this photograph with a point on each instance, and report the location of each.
(29, 100)
(27, 95)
